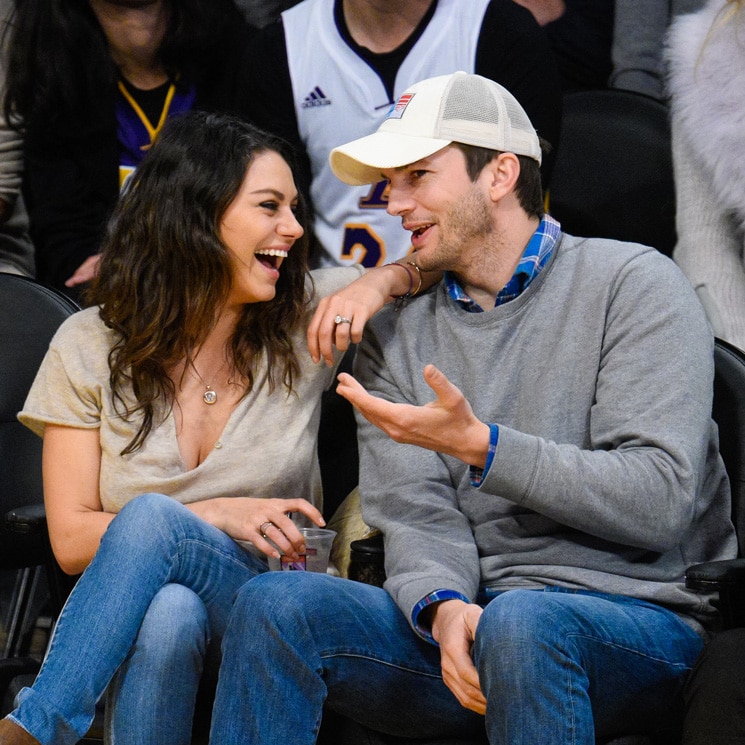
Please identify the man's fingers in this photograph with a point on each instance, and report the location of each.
(356, 394)
(377, 411)
(463, 681)
(445, 391)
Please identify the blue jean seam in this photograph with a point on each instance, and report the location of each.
(215, 549)
(630, 650)
(386, 663)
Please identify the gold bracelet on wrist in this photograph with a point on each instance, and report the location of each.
(419, 276)
(409, 274)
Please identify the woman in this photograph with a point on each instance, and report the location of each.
(706, 58)
(187, 379)
(90, 83)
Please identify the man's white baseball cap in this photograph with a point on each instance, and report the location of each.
(433, 113)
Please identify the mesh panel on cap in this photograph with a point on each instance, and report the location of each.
(469, 99)
(477, 112)
(517, 116)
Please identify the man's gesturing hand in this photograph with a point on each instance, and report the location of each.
(445, 425)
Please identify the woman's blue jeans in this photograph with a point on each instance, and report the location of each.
(153, 695)
(156, 560)
(556, 667)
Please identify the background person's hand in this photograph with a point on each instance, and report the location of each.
(544, 11)
(85, 272)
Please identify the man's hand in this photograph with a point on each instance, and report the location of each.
(454, 625)
(445, 425)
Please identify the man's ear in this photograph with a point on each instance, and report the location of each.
(502, 173)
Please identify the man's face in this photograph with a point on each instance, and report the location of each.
(449, 215)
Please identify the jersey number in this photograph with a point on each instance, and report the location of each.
(361, 243)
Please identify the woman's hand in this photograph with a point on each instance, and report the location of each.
(355, 304)
(340, 318)
(264, 522)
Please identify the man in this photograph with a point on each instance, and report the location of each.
(539, 517)
(332, 69)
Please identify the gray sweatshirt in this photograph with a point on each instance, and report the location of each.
(606, 475)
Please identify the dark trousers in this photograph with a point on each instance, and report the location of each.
(715, 693)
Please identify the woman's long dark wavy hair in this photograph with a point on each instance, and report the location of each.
(165, 273)
(58, 60)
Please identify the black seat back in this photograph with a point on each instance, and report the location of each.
(613, 176)
(729, 414)
(30, 313)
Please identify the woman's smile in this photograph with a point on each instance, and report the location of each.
(260, 227)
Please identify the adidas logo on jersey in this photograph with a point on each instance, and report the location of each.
(316, 98)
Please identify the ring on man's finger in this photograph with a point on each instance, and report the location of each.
(264, 527)
(341, 319)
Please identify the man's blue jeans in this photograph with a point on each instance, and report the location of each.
(157, 559)
(556, 667)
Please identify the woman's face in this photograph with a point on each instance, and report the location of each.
(259, 228)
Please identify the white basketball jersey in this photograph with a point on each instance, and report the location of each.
(339, 97)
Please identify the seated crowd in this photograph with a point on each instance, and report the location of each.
(236, 204)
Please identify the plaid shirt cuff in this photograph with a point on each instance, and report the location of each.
(477, 474)
(434, 597)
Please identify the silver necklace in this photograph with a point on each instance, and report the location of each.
(210, 394)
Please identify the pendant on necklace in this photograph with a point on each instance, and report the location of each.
(209, 396)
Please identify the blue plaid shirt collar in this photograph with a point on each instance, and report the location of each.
(534, 258)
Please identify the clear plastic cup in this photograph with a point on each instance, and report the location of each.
(317, 550)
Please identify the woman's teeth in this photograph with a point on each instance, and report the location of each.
(282, 253)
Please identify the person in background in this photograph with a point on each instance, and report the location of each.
(179, 415)
(580, 33)
(16, 249)
(540, 486)
(601, 44)
(706, 64)
(639, 31)
(331, 70)
(89, 84)
(260, 13)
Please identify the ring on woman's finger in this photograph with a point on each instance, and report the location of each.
(264, 527)
(341, 319)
